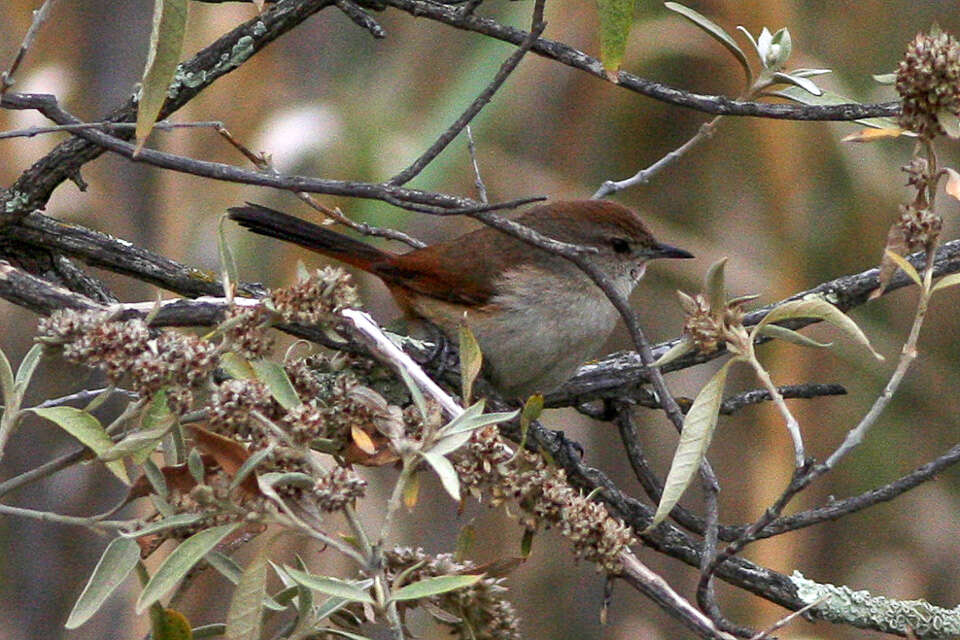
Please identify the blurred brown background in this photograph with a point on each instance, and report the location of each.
(787, 202)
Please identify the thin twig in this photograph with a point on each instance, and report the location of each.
(39, 17)
(507, 68)
(644, 175)
(477, 179)
(361, 18)
(30, 132)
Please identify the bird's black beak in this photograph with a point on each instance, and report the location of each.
(667, 251)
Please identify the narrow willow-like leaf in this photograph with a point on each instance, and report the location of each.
(7, 382)
(433, 586)
(272, 374)
(180, 561)
(166, 43)
(904, 264)
(682, 348)
(698, 427)
(817, 307)
(714, 287)
(411, 490)
(237, 367)
(116, 563)
(244, 615)
(789, 335)
(798, 81)
(616, 19)
(471, 359)
(29, 364)
(178, 520)
(330, 586)
(249, 465)
(448, 475)
(715, 31)
(228, 266)
(87, 429)
(951, 280)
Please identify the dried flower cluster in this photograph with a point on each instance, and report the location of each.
(316, 298)
(478, 612)
(153, 360)
(486, 467)
(928, 81)
(709, 329)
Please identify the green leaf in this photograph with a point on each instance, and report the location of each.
(532, 409)
(27, 366)
(715, 31)
(448, 475)
(237, 367)
(88, 430)
(249, 465)
(616, 19)
(433, 586)
(471, 359)
(246, 605)
(272, 374)
(817, 307)
(714, 287)
(116, 563)
(195, 466)
(682, 348)
(698, 427)
(138, 445)
(789, 335)
(179, 520)
(331, 586)
(885, 78)
(166, 43)
(291, 478)
(904, 264)
(180, 561)
(228, 265)
(7, 382)
(798, 81)
(947, 281)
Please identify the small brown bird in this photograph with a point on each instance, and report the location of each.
(536, 315)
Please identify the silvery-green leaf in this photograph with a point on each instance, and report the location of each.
(273, 375)
(905, 265)
(809, 73)
(885, 78)
(331, 586)
(817, 307)
(798, 81)
(714, 287)
(947, 281)
(680, 349)
(698, 427)
(789, 335)
(166, 43)
(180, 561)
(116, 563)
(433, 586)
(448, 475)
(87, 429)
(717, 32)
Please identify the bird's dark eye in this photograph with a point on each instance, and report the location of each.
(620, 245)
